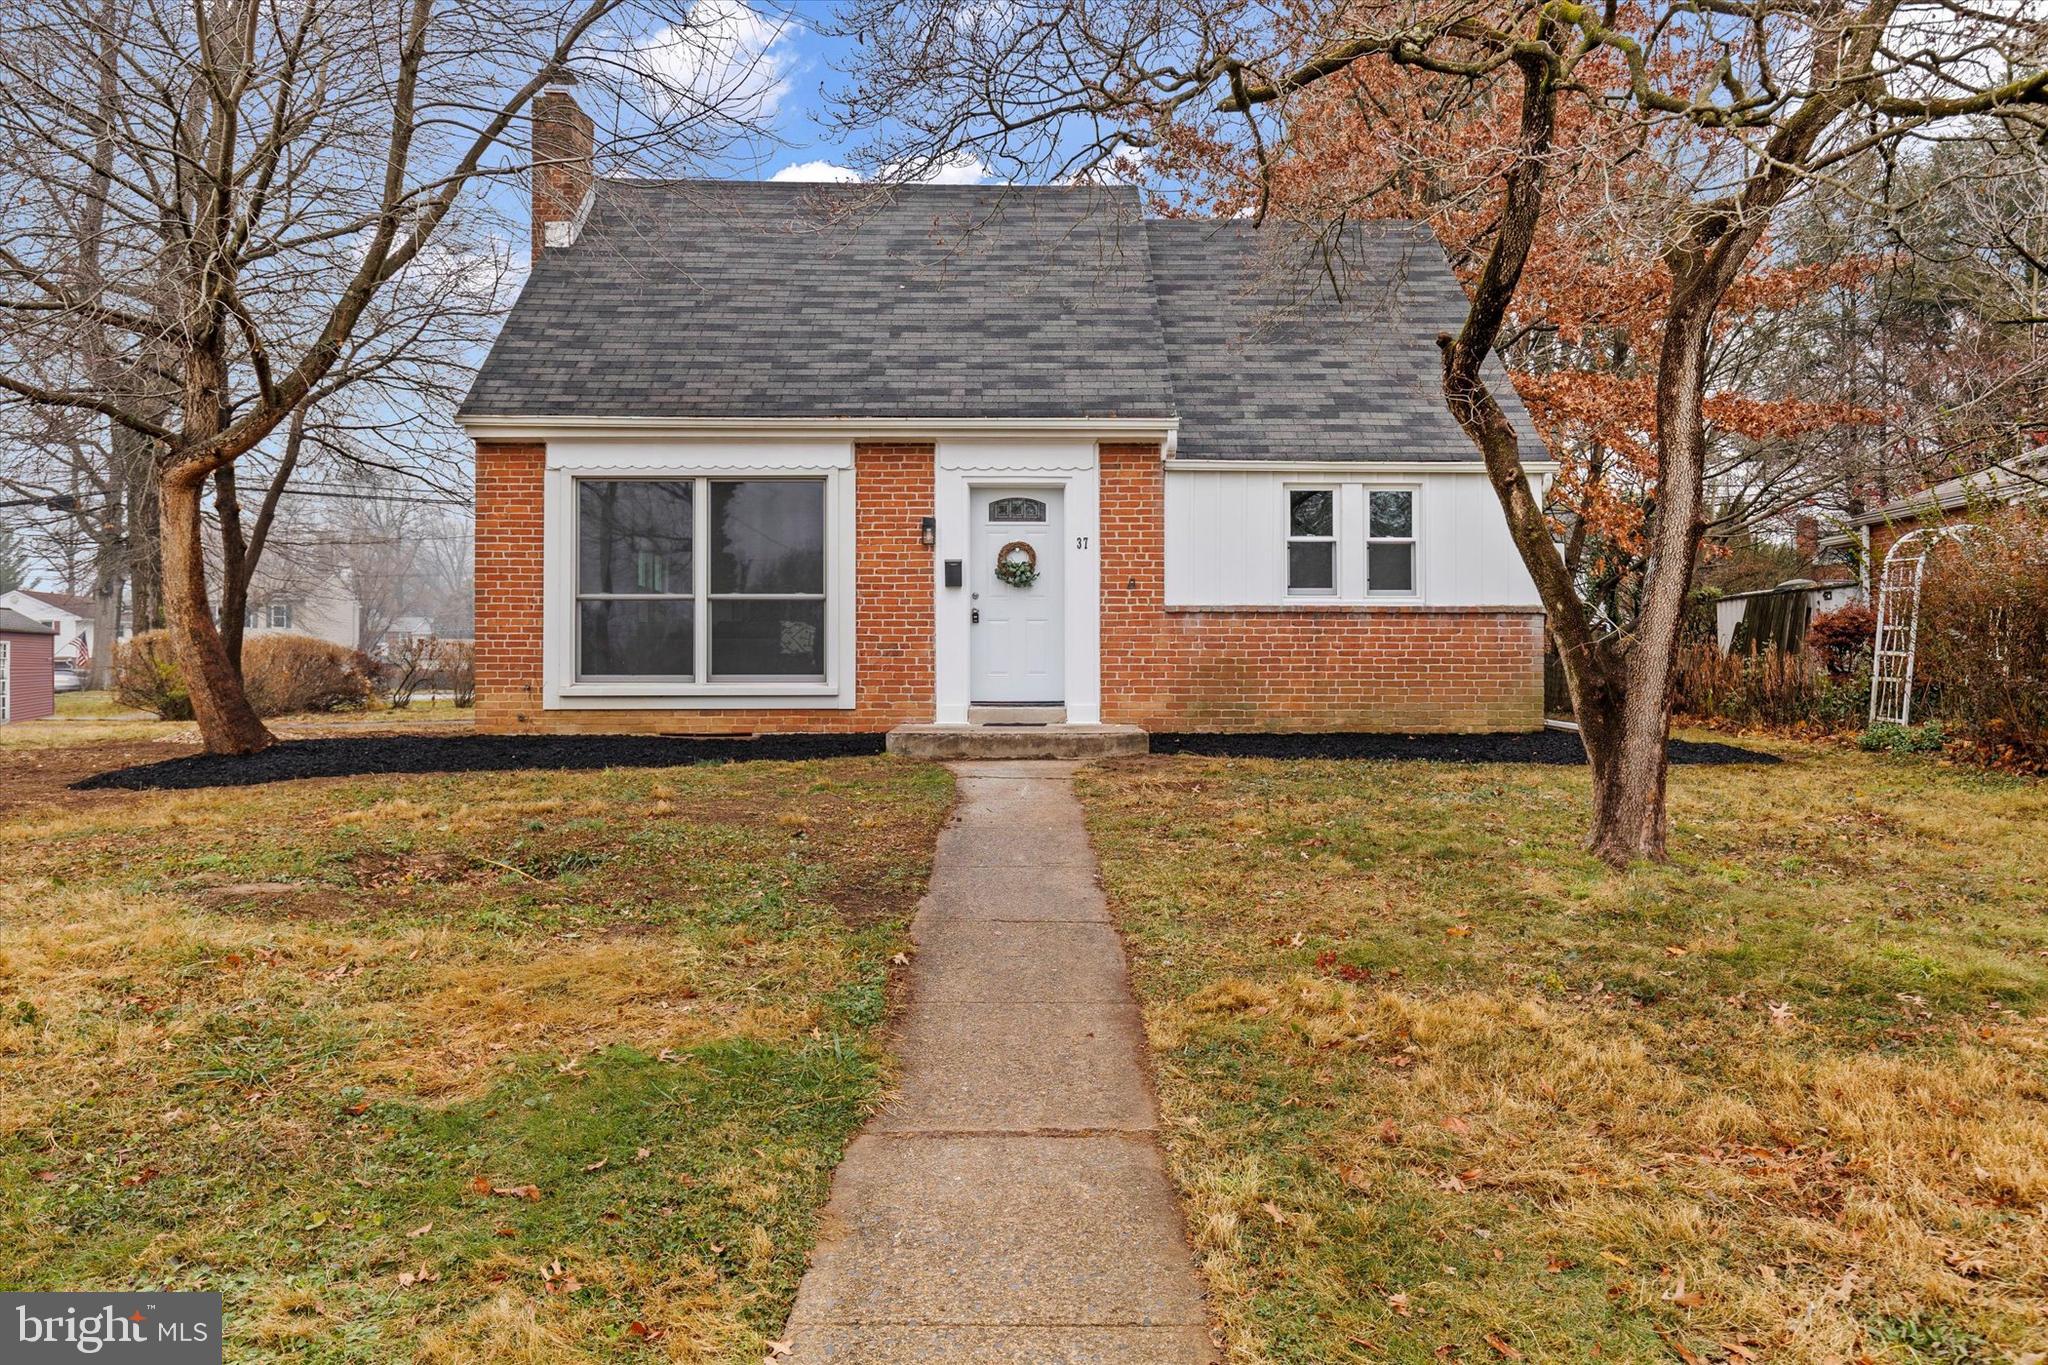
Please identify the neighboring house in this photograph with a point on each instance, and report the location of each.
(401, 632)
(1778, 615)
(28, 685)
(70, 614)
(323, 606)
(774, 457)
(1866, 538)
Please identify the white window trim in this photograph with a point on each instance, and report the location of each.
(1413, 540)
(569, 462)
(1351, 522)
(1335, 540)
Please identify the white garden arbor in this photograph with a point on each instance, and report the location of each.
(1898, 619)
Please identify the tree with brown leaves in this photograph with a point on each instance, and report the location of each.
(1744, 104)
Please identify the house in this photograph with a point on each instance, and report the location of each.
(69, 614)
(288, 597)
(28, 685)
(776, 457)
(1867, 537)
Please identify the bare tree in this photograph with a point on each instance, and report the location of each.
(1773, 96)
(178, 177)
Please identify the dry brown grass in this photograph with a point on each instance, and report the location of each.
(265, 1041)
(1436, 1083)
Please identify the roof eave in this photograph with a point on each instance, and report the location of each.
(512, 427)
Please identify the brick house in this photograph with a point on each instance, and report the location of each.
(1865, 539)
(764, 458)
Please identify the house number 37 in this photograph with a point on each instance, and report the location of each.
(1080, 542)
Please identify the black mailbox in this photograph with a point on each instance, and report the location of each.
(953, 578)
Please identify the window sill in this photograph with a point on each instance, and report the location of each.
(708, 695)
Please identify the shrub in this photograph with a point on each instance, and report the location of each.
(1843, 639)
(406, 669)
(1983, 645)
(456, 667)
(1887, 738)
(147, 677)
(1771, 687)
(285, 672)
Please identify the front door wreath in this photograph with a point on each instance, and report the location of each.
(1017, 564)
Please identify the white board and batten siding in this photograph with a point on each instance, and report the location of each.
(1226, 536)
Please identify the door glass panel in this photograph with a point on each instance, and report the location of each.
(767, 535)
(1016, 509)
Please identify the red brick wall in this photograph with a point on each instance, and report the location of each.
(32, 687)
(1333, 667)
(892, 604)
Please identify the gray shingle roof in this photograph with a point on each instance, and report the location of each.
(728, 299)
(14, 623)
(733, 299)
(1283, 354)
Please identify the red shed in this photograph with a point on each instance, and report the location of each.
(28, 654)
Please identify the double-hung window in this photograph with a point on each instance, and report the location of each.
(1350, 540)
(1312, 542)
(1390, 541)
(695, 580)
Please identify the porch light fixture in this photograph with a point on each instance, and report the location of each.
(928, 532)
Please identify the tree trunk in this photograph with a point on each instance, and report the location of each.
(234, 566)
(227, 723)
(1628, 804)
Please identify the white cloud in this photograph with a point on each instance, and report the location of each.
(955, 170)
(822, 171)
(726, 55)
(958, 169)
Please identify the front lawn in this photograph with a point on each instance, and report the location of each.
(499, 1066)
(1439, 1087)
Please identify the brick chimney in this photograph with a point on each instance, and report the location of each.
(1806, 538)
(563, 141)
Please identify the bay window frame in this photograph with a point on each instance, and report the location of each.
(570, 463)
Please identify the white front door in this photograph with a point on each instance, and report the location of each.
(1019, 634)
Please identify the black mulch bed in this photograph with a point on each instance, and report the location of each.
(1541, 746)
(362, 755)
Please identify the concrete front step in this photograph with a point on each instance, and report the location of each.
(943, 742)
(1016, 715)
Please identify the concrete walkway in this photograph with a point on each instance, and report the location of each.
(1010, 1205)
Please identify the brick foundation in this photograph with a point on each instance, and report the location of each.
(892, 605)
(1335, 667)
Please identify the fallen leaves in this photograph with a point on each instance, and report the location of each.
(424, 1275)
(1502, 1348)
(1399, 1303)
(558, 1279)
(480, 1185)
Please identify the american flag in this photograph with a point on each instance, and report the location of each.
(80, 654)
